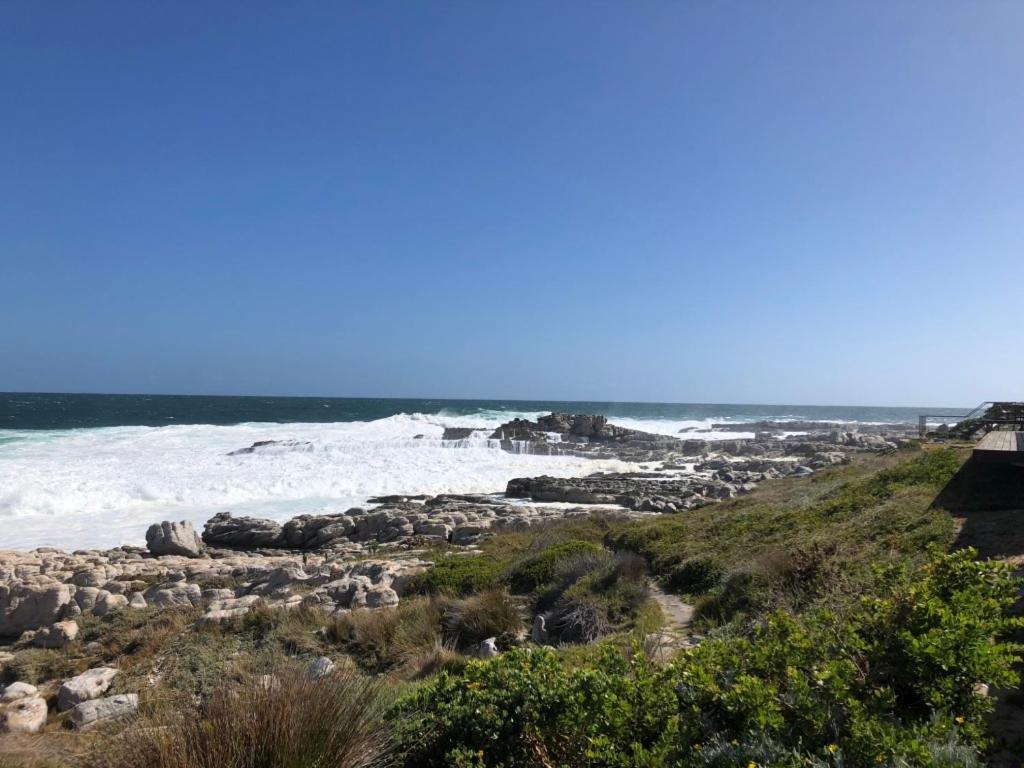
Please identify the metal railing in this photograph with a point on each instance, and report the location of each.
(987, 416)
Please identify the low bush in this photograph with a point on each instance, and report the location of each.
(893, 681)
(694, 575)
(594, 593)
(459, 575)
(526, 709)
(538, 570)
(579, 620)
(283, 721)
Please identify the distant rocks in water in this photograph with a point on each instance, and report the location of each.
(584, 435)
(460, 433)
(814, 426)
(262, 445)
(169, 538)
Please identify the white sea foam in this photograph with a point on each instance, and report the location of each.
(103, 487)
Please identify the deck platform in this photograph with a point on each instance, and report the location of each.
(1001, 446)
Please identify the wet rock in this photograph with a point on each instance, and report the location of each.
(263, 445)
(459, 433)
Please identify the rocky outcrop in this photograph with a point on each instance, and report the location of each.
(263, 445)
(459, 433)
(223, 530)
(584, 435)
(368, 584)
(168, 538)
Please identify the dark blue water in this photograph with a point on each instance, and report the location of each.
(77, 411)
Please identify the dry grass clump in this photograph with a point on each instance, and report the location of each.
(282, 720)
(473, 619)
(385, 640)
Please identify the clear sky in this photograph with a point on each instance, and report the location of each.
(813, 202)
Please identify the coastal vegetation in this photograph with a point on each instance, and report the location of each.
(834, 624)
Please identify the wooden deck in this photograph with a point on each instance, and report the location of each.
(1002, 446)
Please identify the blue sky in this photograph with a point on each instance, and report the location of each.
(689, 201)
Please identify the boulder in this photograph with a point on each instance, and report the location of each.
(85, 687)
(174, 594)
(169, 538)
(539, 632)
(16, 691)
(109, 602)
(223, 530)
(319, 668)
(312, 531)
(380, 597)
(486, 649)
(469, 533)
(58, 635)
(432, 528)
(30, 606)
(25, 715)
(89, 713)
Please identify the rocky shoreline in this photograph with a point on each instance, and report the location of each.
(365, 558)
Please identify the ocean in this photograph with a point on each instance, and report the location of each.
(92, 471)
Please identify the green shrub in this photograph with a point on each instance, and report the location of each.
(891, 682)
(694, 575)
(459, 575)
(526, 709)
(539, 570)
(895, 675)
